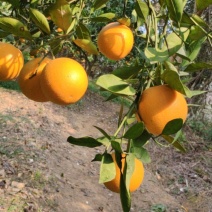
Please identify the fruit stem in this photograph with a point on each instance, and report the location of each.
(124, 8)
(132, 107)
(154, 21)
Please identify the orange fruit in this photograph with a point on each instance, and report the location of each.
(160, 104)
(136, 178)
(29, 79)
(64, 81)
(115, 41)
(22, 40)
(59, 30)
(11, 61)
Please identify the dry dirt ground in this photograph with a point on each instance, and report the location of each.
(41, 171)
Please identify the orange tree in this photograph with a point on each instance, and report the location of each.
(152, 46)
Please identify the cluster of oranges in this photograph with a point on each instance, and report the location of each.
(64, 81)
(156, 107)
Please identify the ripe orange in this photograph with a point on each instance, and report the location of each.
(11, 61)
(22, 40)
(59, 30)
(136, 179)
(64, 81)
(115, 41)
(160, 104)
(29, 79)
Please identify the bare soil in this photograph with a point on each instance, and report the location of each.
(41, 171)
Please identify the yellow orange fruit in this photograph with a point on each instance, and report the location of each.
(64, 81)
(22, 40)
(160, 104)
(136, 178)
(29, 79)
(115, 41)
(59, 30)
(11, 61)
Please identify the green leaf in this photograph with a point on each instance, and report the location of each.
(82, 32)
(104, 17)
(15, 27)
(131, 120)
(142, 9)
(61, 14)
(193, 50)
(84, 141)
(72, 25)
(107, 168)
(156, 55)
(138, 150)
(189, 20)
(162, 2)
(125, 21)
(112, 96)
(201, 5)
(174, 142)
(117, 88)
(40, 20)
(116, 146)
(124, 183)
(171, 46)
(129, 169)
(124, 195)
(127, 72)
(56, 45)
(195, 93)
(186, 21)
(198, 66)
(175, 40)
(103, 132)
(142, 154)
(98, 157)
(134, 131)
(87, 45)
(4, 34)
(104, 140)
(14, 3)
(175, 8)
(115, 85)
(120, 114)
(76, 8)
(182, 53)
(142, 139)
(172, 78)
(172, 127)
(196, 33)
(99, 4)
(197, 20)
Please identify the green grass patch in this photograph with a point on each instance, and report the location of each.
(201, 128)
(11, 85)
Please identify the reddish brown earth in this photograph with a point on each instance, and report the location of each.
(41, 171)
